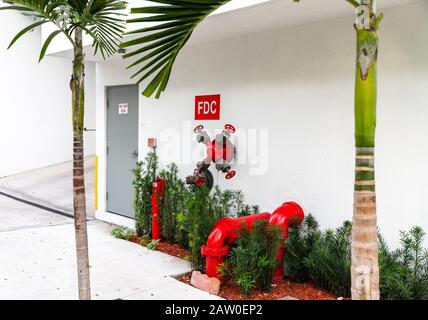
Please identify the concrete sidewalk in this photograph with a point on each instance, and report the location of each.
(37, 247)
(51, 186)
(37, 261)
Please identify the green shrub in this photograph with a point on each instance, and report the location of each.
(152, 244)
(122, 233)
(200, 220)
(144, 175)
(329, 262)
(188, 214)
(182, 231)
(173, 204)
(246, 282)
(225, 269)
(199, 212)
(222, 202)
(325, 258)
(321, 256)
(300, 242)
(144, 241)
(247, 210)
(242, 209)
(231, 203)
(253, 258)
(404, 272)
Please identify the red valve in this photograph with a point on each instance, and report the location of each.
(230, 128)
(198, 128)
(230, 175)
(220, 151)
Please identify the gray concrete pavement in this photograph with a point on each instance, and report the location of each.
(37, 247)
(15, 215)
(37, 261)
(51, 186)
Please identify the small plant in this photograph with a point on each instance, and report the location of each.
(182, 230)
(246, 283)
(144, 240)
(144, 175)
(122, 233)
(173, 204)
(201, 217)
(225, 269)
(222, 202)
(321, 256)
(253, 259)
(152, 244)
(300, 242)
(404, 272)
(329, 262)
(247, 210)
(265, 271)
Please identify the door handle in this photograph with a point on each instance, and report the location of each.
(135, 154)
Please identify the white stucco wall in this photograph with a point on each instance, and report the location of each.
(298, 85)
(35, 102)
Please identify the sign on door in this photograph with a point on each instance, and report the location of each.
(123, 108)
(207, 107)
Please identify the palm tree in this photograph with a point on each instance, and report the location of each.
(102, 21)
(172, 23)
(365, 267)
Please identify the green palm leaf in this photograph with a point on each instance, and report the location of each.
(101, 19)
(156, 47)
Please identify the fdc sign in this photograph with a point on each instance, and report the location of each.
(207, 107)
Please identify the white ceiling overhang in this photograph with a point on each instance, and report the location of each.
(241, 17)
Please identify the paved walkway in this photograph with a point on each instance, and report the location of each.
(51, 186)
(37, 258)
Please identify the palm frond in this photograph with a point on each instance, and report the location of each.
(101, 19)
(156, 47)
(42, 10)
(104, 22)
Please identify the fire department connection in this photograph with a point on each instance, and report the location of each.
(221, 152)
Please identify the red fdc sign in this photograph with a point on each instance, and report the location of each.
(207, 107)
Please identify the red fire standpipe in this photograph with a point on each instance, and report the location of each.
(158, 191)
(226, 232)
(284, 217)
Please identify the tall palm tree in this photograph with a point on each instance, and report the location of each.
(365, 267)
(102, 21)
(155, 49)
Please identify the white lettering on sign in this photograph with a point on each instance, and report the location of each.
(205, 107)
(123, 108)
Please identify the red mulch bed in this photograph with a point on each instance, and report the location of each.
(301, 291)
(173, 250)
(229, 291)
(168, 248)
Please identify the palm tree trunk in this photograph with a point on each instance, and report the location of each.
(79, 200)
(365, 269)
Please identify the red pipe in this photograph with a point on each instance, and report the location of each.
(226, 232)
(284, 217)
(158, 190)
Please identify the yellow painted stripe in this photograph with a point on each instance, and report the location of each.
(96, 183)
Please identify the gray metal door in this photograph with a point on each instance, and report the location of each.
(122, 148)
